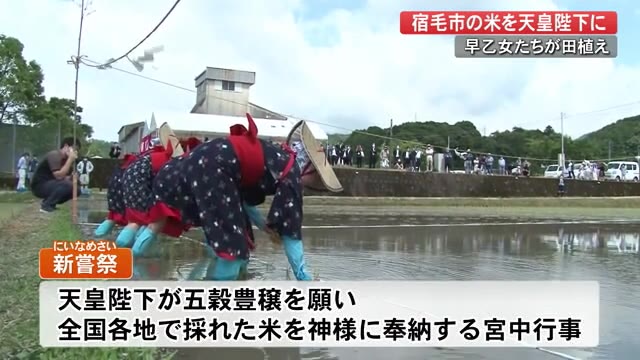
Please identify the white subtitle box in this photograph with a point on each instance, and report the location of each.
(325, 314)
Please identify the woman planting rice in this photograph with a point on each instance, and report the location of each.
(141, 208)
(219, 183)
(158, 216)
(115, 202)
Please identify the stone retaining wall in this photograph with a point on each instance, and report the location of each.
(384, 183)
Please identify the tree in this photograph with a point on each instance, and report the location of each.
(53, 120)
(540, 147)
(95, 147)
(20, 81)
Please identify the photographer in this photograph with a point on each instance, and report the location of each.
(51, 181)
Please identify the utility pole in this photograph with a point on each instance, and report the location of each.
(390, 131)
(448, 144)
(609, 150)
(562, 138)
(76, 63)
(14, 120)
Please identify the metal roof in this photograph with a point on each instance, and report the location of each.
(220, 124)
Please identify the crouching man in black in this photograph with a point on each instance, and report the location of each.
(51, 181)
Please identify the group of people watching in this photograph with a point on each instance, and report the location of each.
(423, 158)
(25, 168)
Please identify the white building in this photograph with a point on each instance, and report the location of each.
(222, 100)
(214, 126)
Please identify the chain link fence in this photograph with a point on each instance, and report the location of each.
(20, 139)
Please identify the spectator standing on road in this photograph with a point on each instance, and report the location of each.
(115, 151)
(412, 159)
(384, 158)
(467, 156)
(397, 155)
(525, 168)
(373, 156)
(51, 181)
(572, 174)
(448, 161)
(359, 156)
(489, 164)
(33, 164)
(429, 155)
(502, 165)
(22, 167)
(407, 159)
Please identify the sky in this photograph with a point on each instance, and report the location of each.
(342, 63)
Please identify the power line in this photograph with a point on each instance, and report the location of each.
(108, 63)
(89, 62)
(615, 107)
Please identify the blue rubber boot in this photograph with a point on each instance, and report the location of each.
(104, 228)
(140, 230)
(295, 254)
(224, 270)
(199, 269)
(208, 250)
(254, 216)
(140, 271)
(126, 238)
(143, 242)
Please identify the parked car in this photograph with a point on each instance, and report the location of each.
(613, 171)
(554, 171)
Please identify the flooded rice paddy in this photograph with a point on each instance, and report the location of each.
(439, 248)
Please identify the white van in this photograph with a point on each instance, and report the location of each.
(554, 171)
(614, 173)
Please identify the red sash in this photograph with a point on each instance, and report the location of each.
(249, 151)
(127, 160)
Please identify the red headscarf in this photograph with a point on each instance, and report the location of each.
(189, 144)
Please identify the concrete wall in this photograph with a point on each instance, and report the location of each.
(382, 183)
(406, 184)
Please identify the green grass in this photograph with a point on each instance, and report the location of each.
(20, 241)
(9, 210)
(16, 197)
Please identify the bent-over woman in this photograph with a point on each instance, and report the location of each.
(160, 217)
(141, 208)
(115, 201)
(220, 182)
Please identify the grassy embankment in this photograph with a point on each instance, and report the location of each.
(20, 239)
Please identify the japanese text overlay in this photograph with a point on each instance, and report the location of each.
(312, 314)
(85, 260)
(536, 46)
(508, 22)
